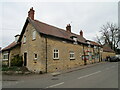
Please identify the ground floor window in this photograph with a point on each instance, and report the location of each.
(72, 55)
(5, 56)
(55, 54)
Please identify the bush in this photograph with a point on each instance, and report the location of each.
(14, 68)
(17, 61)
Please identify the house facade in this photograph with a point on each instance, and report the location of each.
(46, 48)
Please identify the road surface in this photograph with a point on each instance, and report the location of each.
(103, 75)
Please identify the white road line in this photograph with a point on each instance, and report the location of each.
(55, 85)
(89, 74)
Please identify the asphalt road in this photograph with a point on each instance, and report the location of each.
(104, 75)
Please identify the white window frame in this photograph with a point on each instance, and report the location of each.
(34, 35)
(73, 54)
(54, 52)
(24, 39)
(75, 40)
(3, 56)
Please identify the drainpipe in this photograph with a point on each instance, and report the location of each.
(84, 56)
(46, 53)
(9, 62)
(94, 54)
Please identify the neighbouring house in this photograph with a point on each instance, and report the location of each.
(46, 48)
(107, 51)
(10, 51)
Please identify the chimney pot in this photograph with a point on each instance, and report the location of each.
(31, 13)
(68, 28)
(81, 33)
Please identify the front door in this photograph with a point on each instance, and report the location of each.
(25, 59)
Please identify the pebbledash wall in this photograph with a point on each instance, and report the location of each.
(43, 46)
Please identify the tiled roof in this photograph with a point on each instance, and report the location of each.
(54, 31)
(107, 49)
(94, 43)
(9, 46)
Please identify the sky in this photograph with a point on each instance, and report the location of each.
(86, 16)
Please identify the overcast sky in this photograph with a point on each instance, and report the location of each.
(86, 16)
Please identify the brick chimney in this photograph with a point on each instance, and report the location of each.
(68, 28)
(31, 13)
(81, 33)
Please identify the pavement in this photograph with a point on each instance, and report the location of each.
(34, 76)
(98, 75)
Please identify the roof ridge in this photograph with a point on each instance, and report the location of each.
(49, 24)
(56, 27)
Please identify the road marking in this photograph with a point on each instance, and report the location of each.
(89, 74)
(55, 85)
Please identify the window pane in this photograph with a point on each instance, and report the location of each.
(35, 55)
(56, 55)
(24, 39)
(5, 57)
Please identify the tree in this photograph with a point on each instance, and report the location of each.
(110, 35)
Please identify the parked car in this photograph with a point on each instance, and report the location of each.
(107, 58)
(113, 59)
(118, 56)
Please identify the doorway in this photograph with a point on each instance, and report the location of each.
(25, 59)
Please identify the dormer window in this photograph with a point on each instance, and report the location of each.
(75, 39)
(34, 35)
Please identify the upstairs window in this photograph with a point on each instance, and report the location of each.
(72, 55)
(35, 56)
(34, 35)
(75, 40)
(24, 39)
(55, 54)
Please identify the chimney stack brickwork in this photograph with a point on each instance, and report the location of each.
(31, 13)
(68, 28)
(81, 33)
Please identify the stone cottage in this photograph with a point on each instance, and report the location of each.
(46, 48)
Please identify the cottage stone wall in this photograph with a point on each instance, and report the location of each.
(64, 61)
(32, 47)
(38, 46)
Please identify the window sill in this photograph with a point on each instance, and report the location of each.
(33, 39)
(55, 58)
(5, 60)
(72, 58)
